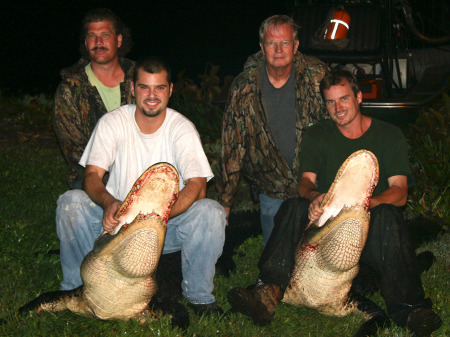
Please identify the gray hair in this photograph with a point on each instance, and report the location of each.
(277, 21)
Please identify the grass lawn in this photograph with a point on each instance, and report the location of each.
(32, 178)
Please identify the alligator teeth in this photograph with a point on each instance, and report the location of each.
(360, 173)
(155, 191)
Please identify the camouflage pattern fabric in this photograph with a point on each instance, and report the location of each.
(78, 107)
(247, 145)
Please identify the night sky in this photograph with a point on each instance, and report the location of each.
(39, 39)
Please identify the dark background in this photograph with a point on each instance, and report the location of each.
(38, 39)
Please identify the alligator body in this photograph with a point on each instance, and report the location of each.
(118, 274)
(327, 257)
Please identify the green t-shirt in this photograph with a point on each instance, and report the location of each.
(110, 95)
(324, 150)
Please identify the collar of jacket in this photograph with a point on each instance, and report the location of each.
(257, 60)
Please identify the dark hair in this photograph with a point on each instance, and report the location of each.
(335, 77)
(152, 65)
(104, 14)
(276, 21)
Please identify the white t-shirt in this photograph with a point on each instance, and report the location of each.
(118, 146)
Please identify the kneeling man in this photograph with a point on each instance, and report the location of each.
(125, 143)
(388, 250)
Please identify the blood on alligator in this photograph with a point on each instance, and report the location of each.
(310, 248)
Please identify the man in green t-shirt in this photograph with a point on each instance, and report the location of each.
(388, 252)
(99, 82)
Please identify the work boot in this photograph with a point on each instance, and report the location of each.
(423, 321)
(258, 303)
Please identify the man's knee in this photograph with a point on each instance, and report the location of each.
(386, 225)
(209, 206)
(212, 211)
(386, 209)
(387, 215)
(71, 197)
(294, 203)
(71, 207)
(294, 208)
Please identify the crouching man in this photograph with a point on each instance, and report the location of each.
(125, 142)
(388, 250)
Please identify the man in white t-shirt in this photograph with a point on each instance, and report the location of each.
(125, 143)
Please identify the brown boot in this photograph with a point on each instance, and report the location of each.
(423, 321)
(258, 303)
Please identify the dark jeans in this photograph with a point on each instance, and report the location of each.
(388, 251)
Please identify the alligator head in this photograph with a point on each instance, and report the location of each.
(118, 274)
(155, 191)
(353, 185)
(327, 257)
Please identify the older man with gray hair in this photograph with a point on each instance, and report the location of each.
(271, 103)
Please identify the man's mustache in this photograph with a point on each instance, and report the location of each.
(99, 48)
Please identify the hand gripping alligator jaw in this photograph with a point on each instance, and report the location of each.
(327, 257)
(118, 274)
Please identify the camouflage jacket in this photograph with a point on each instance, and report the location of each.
(247, 145)
(78, 107)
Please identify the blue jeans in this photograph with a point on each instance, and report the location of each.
(268, 208)
(199, 233)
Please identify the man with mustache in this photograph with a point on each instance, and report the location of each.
(99, 82)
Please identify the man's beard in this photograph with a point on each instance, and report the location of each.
(152, 113)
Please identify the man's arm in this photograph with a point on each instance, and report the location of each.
(67, 122)
(396, 194)
(194, 189)
(227, 212)
(307, 189)
(94, 187)
(232, 147)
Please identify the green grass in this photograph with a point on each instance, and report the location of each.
(31, 181)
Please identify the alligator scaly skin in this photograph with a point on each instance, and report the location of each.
(118, 274)
(326, 259)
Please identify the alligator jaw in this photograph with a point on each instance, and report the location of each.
(148, 195)
(354, 184)
(119, 273)
(326, 259)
